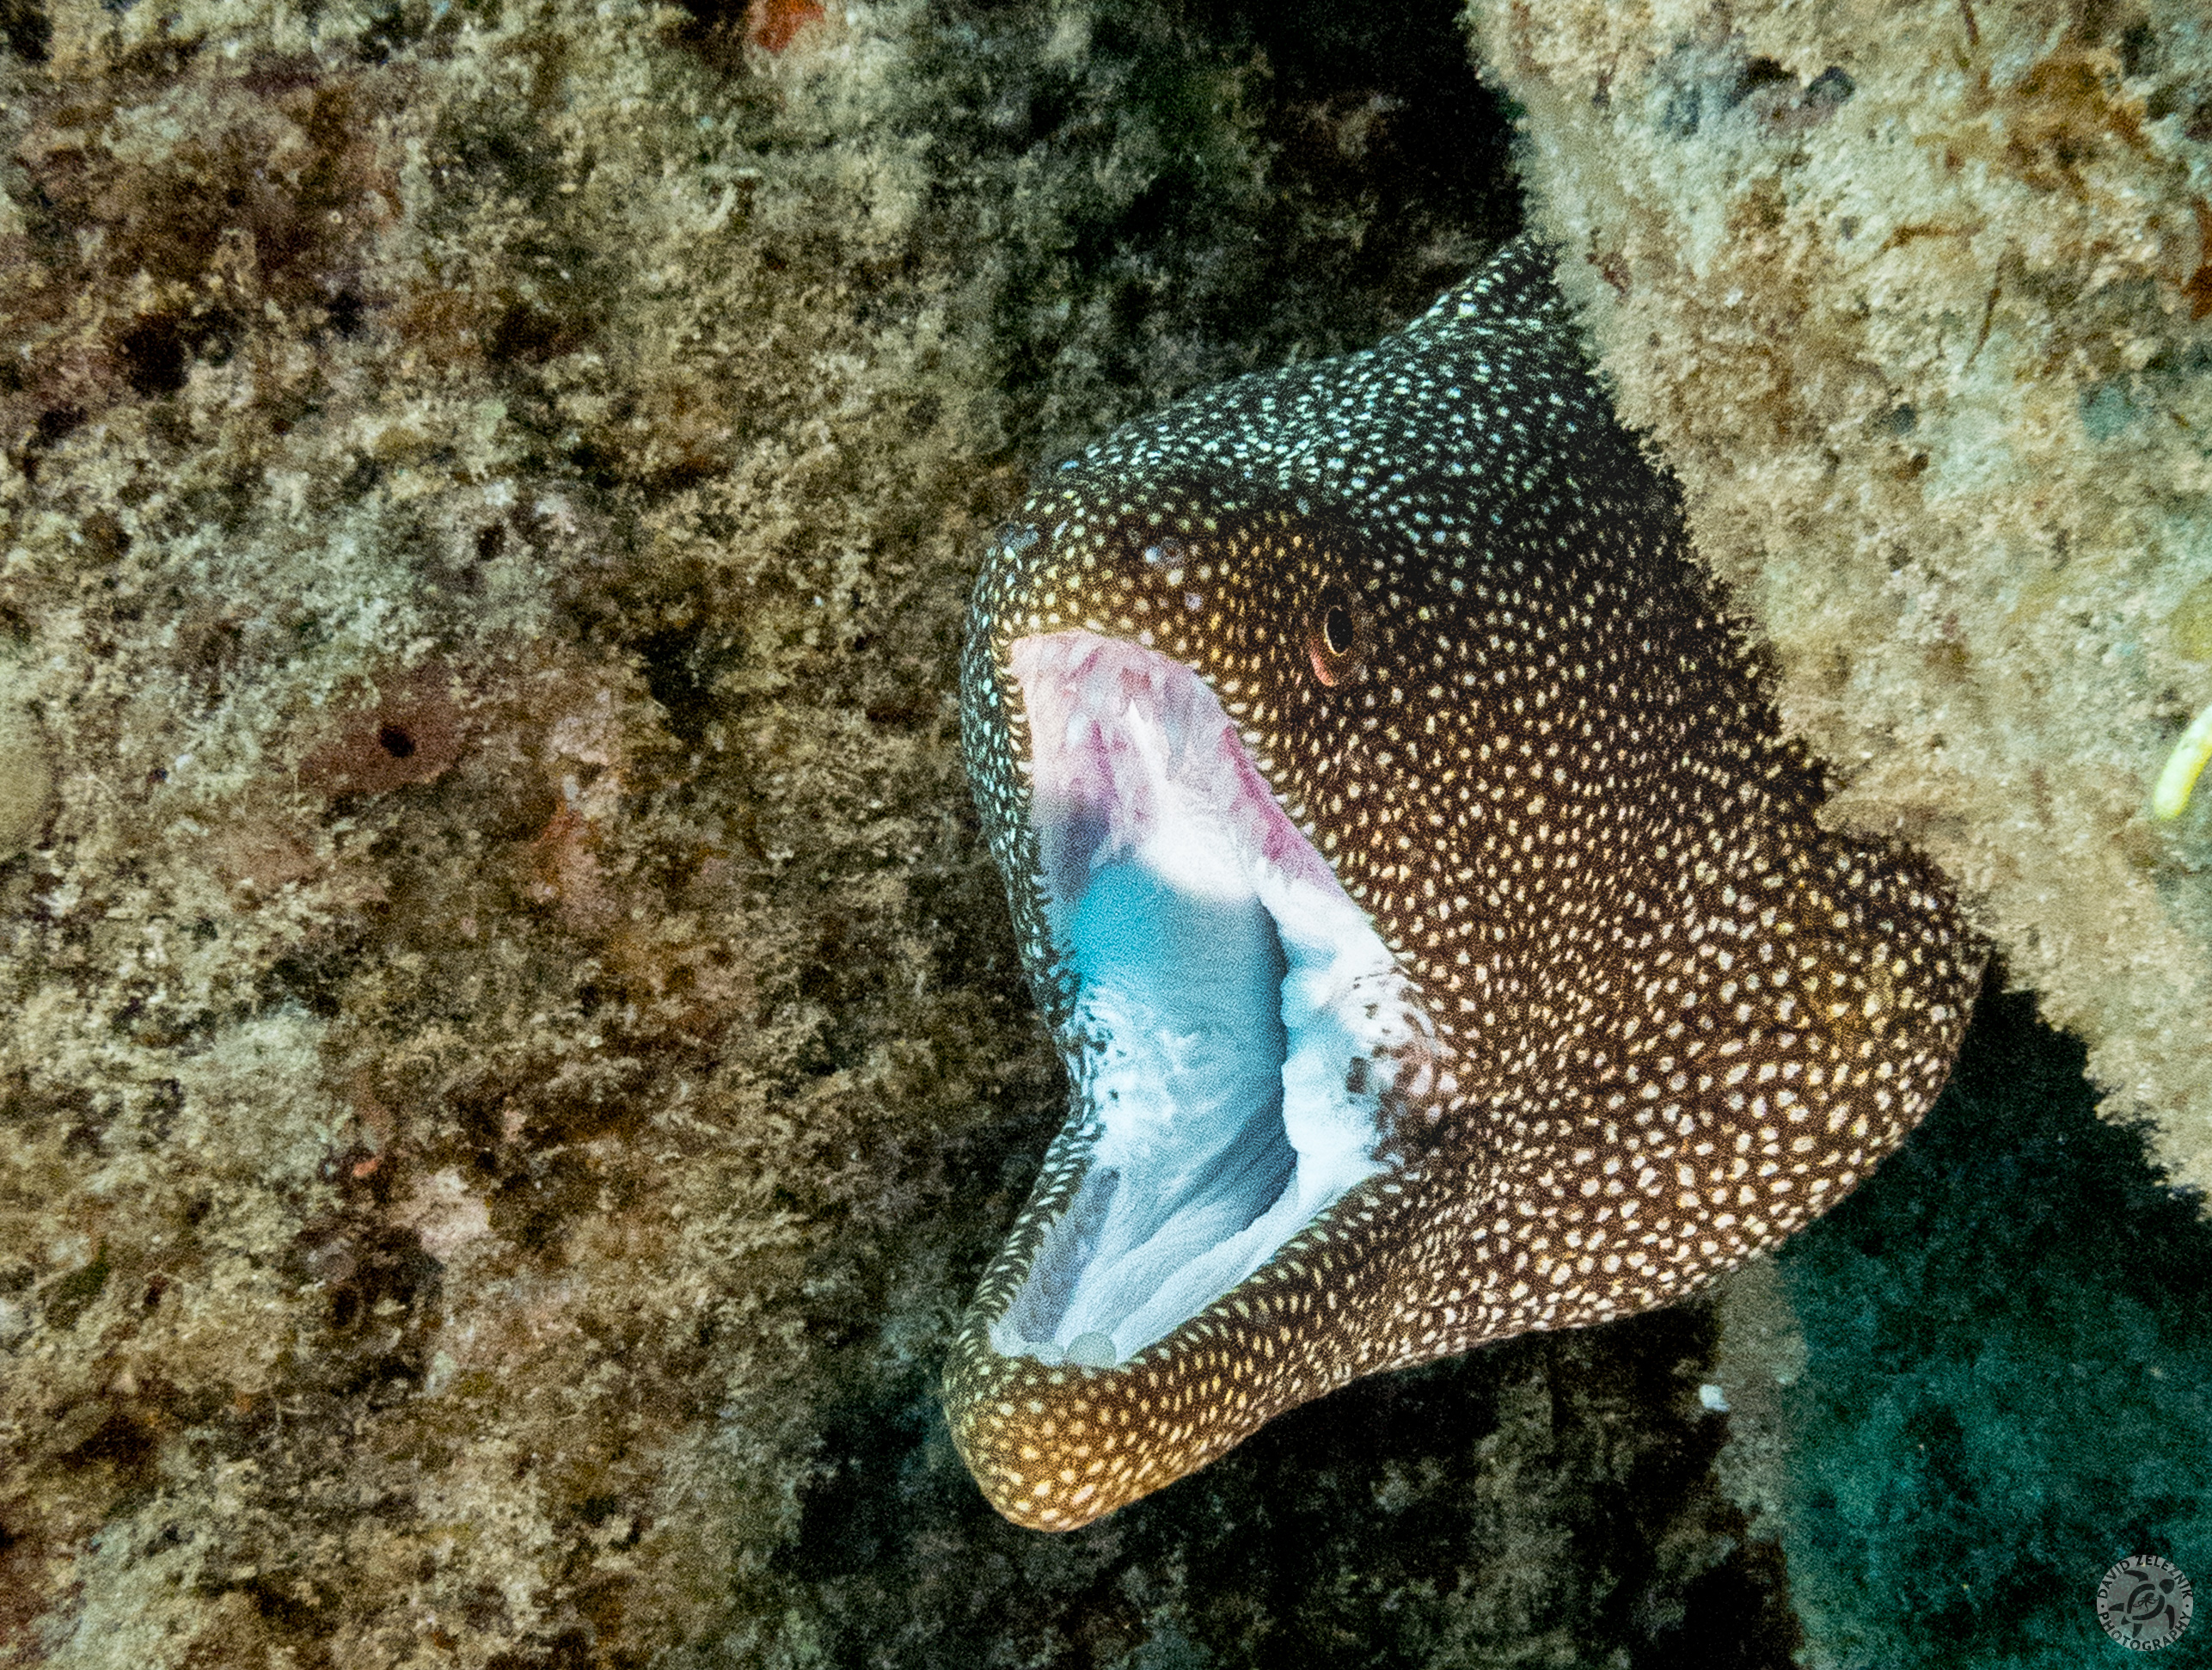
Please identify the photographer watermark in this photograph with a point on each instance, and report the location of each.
(2144, 1603)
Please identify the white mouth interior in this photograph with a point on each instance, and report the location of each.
(1237, 1022)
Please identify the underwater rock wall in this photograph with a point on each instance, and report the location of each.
(474, 909)
(1917, 304)
(513, 1060)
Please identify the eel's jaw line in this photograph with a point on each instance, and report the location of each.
(1242, 1041)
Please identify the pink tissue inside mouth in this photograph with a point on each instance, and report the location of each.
(1122, 738)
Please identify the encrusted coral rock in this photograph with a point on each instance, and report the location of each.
(1917, 303)
(461, 895)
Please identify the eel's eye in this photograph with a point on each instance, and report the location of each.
(1335, 640)
(1335, 631)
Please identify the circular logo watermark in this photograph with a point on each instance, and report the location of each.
(2144, 1603)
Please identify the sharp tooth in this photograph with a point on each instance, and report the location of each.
(1092, 1350)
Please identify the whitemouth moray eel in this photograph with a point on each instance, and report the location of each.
(1434, 921)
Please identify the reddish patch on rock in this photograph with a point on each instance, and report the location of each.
(1613, 267)
(377, 1126)
(2199, 287)
(772, 25)
(262, 855)
(26, 1548)
(413, 735)
(561, 869)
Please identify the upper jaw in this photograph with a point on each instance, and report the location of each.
(1245, 1048)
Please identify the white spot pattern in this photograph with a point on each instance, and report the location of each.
(1676, 1018)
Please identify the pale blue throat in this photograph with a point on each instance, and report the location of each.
(1238, 1023)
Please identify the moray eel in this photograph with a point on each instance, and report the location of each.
(1435, 924)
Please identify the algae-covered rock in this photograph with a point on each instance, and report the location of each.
(485, 908)
(26, 779)
(514, 1058)
(1917, 303)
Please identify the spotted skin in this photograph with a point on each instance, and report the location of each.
(1677, 1019)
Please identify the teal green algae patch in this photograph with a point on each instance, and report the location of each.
(2008, 1383)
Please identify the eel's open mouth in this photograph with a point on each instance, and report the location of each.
(1241, 1038)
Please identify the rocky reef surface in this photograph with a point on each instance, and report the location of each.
(1917, 304)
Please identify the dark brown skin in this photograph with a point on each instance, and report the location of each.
(1452, 614)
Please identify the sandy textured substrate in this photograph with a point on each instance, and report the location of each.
(1917, 303)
